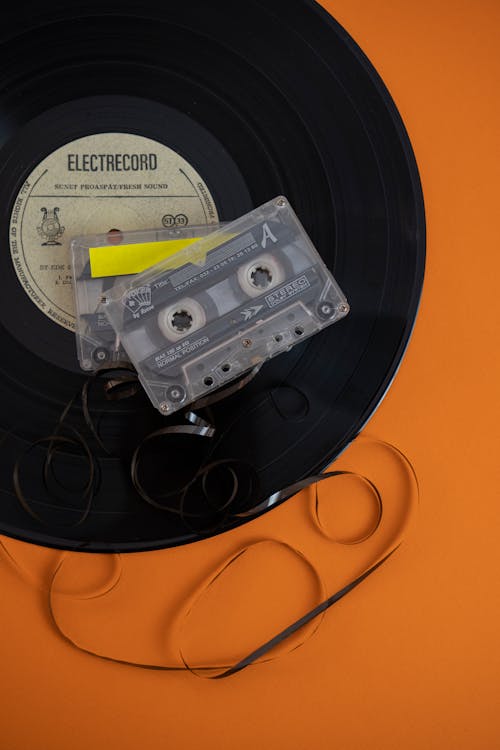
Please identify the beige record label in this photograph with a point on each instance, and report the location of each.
(92, 185)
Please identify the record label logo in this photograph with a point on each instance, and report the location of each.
(97, 184)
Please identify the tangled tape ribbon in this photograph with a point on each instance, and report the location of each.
(120, 381)
(256, 655)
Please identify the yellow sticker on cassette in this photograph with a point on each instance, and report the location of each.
(122, 260)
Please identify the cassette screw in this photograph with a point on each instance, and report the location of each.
(343, 307)
(246, 343)
(164, 407)
(281, 202)
(100, 355)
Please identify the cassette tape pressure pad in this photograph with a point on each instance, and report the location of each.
(228, 302)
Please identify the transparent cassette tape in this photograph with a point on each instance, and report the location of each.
(99, 262)
(225, 304)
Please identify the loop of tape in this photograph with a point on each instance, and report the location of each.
(87, 491)
(373, 527)
(256, 656)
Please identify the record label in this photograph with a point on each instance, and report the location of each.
(96, 184)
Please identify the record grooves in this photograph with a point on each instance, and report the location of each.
(270, 99)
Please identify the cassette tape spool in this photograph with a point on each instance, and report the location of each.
(225, 304)
(99, 261)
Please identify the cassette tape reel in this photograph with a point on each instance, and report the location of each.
(99, 261)
(225, 304)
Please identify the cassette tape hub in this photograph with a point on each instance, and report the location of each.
(225, 304)
(96, 339)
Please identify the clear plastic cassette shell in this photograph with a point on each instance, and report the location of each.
(228, 302)
(96, 341)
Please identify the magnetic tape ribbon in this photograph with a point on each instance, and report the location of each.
(197, 427)
(121, 374)
(120, 381)
(55, 442)
(120, 378)
(261, 651)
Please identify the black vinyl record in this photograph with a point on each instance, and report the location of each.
(259, 98)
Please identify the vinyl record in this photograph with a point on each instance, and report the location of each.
(223, 108)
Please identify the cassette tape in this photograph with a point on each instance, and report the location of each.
(99, 261)
(228, 302)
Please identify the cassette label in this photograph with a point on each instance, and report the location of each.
(230, 301)
(221, 258)
(179, 351)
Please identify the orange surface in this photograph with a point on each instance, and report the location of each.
(411, 659)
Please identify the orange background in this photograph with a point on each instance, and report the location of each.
(411, 658)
